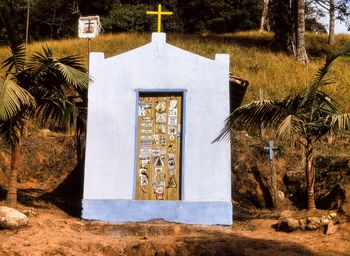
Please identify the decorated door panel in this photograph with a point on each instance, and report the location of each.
(159, 147)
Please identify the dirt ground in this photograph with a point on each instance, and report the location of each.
(51, 184)
(53, 232)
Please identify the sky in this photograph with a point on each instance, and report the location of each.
(340, 28)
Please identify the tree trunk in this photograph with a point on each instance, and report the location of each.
(283, 21)
(300, 33)
(310, 178)
(11, 198)
(81, 145)
(331, 22)
(264, 16)
(81, 133)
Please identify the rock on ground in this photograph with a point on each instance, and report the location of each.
(11, 218)
(331, 228)
(288, 224)
(313, 223)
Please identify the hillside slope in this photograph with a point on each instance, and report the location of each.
(275, 73)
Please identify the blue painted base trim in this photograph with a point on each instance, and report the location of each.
(210, 213)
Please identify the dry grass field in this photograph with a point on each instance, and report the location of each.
(276, 73)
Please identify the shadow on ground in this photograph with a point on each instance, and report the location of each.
(194, 240)
(232, 244)
(68, 195)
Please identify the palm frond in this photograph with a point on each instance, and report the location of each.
(321, 76)
(324, 104)
(49, 111)
(285, 127)
(68, 72)
(17, 60)
(13, 99)
(340, 121)
(73, 76)
(257, 115)
(74, 61)
(60, 86)
(70, 117)
(62, 111)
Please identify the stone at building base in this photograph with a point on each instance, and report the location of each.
(210, 213)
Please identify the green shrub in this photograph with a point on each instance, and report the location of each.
(127, 17)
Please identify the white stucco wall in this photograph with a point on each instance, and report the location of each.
(110, 155)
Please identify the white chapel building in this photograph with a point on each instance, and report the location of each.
(153, 113)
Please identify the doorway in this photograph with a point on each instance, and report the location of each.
(159, 146)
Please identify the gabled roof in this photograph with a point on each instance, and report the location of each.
(158, 45)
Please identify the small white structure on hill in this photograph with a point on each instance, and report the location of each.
(153, 113)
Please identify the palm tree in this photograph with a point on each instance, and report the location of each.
(15, 106)
(46, 88)
(307, 115)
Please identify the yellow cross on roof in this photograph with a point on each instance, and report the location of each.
(159, 13)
